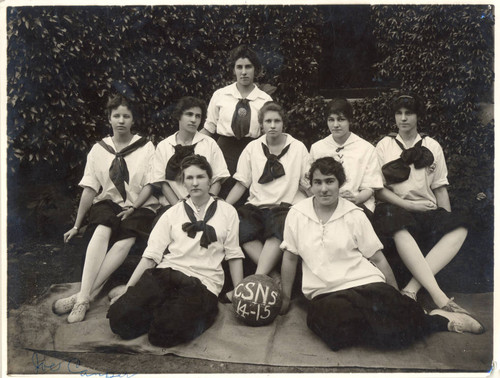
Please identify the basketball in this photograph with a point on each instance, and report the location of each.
(257, 300)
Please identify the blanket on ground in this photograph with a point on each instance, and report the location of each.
(285, 342)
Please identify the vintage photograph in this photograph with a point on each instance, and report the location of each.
(247, 188)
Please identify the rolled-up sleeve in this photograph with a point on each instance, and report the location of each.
(159, 239)
(212, 114)
(290, 233)
(89, 178)
(244, 169)
(232, 247)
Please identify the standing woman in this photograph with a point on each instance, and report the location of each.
(357, 156)
(273, 168)
(232, 111)
(170, 152)
(416, 207)
(121, 210)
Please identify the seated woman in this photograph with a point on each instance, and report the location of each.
(173, 296)
(189, 112)
(356, 155)
(352, 292)
(273, 167)
(117, 168)
(416, 208)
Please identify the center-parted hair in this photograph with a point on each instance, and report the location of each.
(189, 102)
(198, 161)
(271, 106)
(328, 166)
(339, 106)
(409, 100)
(118, 100)
(242, 52)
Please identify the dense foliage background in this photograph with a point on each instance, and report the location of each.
(63, 62)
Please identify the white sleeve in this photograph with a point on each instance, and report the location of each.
(372, 177)
(148, 172)
(232, 247)
(159, 239)
(217, 162)
(89, 178)
(212, 114)
(244, 169)
(159, 165)
(367, 241)
(290, 233)
(440, 177)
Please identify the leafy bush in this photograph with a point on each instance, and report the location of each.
(64, 61)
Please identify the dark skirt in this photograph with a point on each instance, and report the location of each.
(258, 223)
(138, 224)
(376, 315)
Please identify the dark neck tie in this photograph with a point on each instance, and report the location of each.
(273, 168)
(241, 119)
(118, 172)
(418, 155)
(174, 163)
(191, 228)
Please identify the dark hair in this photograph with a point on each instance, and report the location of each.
(197, 160)
(409, 100)
(115, 101)
(340, 106)
(189, 102)
(328, 166)
(242, 52)
(271, 106)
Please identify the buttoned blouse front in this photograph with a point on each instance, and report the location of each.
(205, 146)
(359, 160)
(185, 253)
(421, 182)
(334, 254)
(222, 105)
(296, 163)
(139, 162)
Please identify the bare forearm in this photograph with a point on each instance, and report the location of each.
(288, 270)
(442, 198)
(363, 196)
(143, 196)
(143, 265)
(235, 193)
(236, 270)
(381, 263)
(86, 200)
(386, 195)
(169, 193)
(215, 188)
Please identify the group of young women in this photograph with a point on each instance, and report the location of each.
(288, 203)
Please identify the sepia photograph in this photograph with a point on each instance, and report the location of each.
(247, 188)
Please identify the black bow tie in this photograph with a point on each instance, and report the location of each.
(191, 228)
(174, 163)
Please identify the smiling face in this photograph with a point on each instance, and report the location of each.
(325, 188)
(406, 120)
(339, 127)
(272, 123)
(244, 71)
(121, 120)
(190, 120)
(196, 181)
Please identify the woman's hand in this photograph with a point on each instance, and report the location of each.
(116, 293)
(285, 305)
(69, 235)
(350, 196)
(421, 206)
(126, 213)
